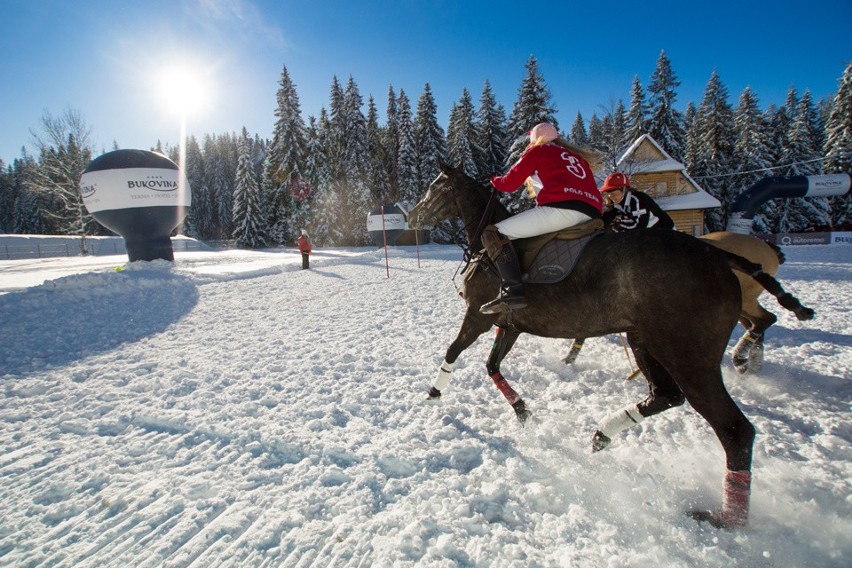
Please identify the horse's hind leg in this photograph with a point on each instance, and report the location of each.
(748, 352)
(503, 342)
(663, 393)
(575, 350)
(707, 394)
(472, 327)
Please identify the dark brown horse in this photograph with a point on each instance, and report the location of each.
(675, 297)
(748, 352)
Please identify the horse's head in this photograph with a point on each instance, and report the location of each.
(439, 201)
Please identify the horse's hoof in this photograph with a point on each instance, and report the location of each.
(434, 393)
(600, 441)
(521, 411)
(571, 357)
(741, 366)
(716, 519)
(805, 314)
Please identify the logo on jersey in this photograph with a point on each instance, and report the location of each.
(575, 166)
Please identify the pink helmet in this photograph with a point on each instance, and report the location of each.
(544, 130)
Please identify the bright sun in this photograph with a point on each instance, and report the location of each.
(183, 89)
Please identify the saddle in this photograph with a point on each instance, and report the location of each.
(551, 257)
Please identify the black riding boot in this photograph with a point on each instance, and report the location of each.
(511, 295)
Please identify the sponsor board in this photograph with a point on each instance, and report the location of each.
(392, 221)
(793, 239)
(844, 238)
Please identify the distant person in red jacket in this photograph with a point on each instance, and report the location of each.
(560, 175)
(305, 248)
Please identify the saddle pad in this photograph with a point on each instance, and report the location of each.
(556, 260)
(529, 248)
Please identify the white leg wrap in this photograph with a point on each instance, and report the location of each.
(443, 378)
(618, 421)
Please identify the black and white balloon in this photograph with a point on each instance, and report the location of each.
(140, 195)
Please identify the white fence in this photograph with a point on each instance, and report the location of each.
(16, 247)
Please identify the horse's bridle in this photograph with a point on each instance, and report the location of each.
(469, 255)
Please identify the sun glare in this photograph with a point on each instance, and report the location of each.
(183, 90)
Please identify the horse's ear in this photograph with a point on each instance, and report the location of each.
(445, 167)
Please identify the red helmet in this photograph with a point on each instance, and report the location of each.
(615, 180)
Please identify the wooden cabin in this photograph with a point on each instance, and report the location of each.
(652, 170)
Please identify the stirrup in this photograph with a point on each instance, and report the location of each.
(504, 303)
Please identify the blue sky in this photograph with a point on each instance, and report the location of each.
(106, 58)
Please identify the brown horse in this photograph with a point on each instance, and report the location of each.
(748, 352)
(621, 283)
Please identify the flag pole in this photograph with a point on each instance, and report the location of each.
(385, 240)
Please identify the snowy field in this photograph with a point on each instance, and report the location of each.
(231, 409)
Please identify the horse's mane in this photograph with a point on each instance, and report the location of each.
(484, 192)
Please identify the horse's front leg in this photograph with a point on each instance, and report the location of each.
(663, 394)
(503, 342)
(474, 325)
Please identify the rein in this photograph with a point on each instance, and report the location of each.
(477, 234)
(468, 255)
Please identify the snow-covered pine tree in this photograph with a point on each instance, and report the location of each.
(332, 126)
(377, 174)
(285, 159)
(28, 217)
(195, 224)
(490, 122)
(356, 189)
(390, 145)
(597, 131)
(837, 147)
(429, 141)
(345, 199)
(532, 107)
(711, 140)
(690, 153)
(666, 122)
(223, 177)
(750, 154)
(316, 170)
(407, 157)
(206, 220)
(8, 193)
(249, 218)
(803, 143)
(461, 136)
(804, 152)
(637, 114)
(578, 135)
(612, 140)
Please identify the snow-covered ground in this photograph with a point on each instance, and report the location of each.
(231, 409)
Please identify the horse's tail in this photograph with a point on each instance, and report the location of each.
(778, 252)
(770, 284)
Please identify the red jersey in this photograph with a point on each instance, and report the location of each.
(558, 175)
(304, 243)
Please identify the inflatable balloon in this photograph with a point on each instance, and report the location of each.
(139, 195)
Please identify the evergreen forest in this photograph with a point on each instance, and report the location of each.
(325, 173)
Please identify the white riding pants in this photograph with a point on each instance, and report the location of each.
(540, 220)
